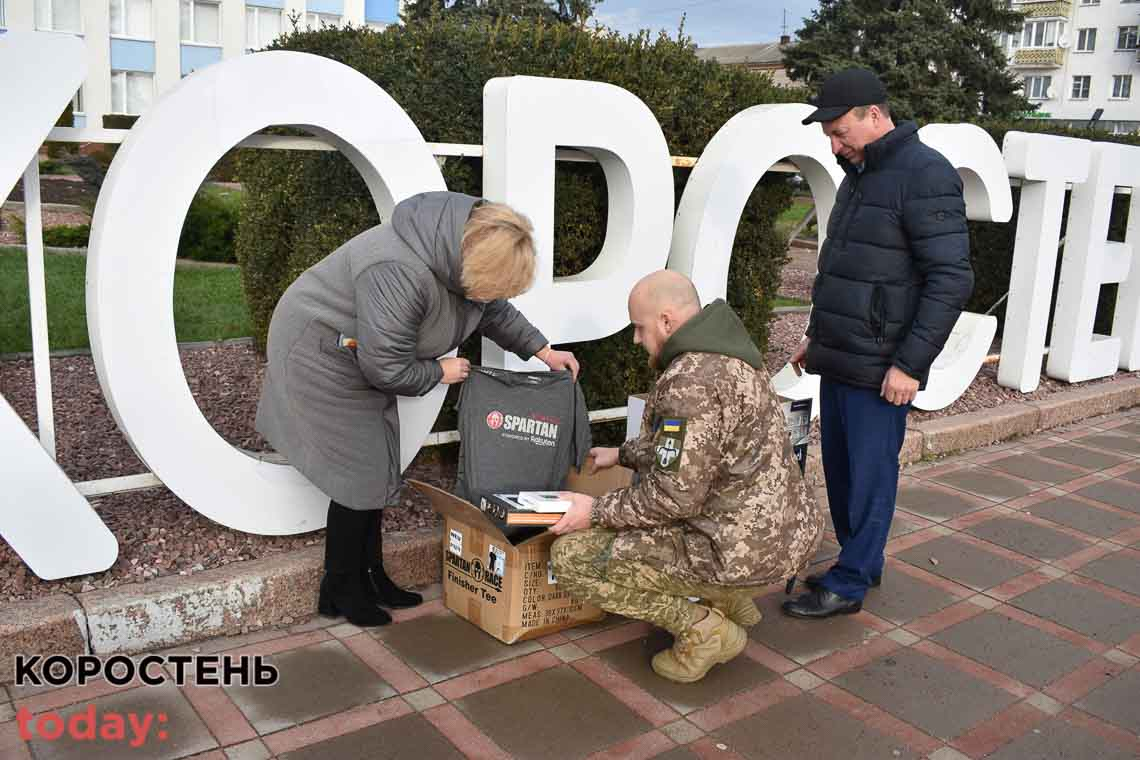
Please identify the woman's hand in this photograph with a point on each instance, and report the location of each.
(559, 360)
(455, 370)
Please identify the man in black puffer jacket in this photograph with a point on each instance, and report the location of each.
(894, 274)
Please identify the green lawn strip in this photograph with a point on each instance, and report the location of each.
(208, 302)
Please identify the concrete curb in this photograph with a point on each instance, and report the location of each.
(278, 590)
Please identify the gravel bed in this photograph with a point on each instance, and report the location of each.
(159, 535)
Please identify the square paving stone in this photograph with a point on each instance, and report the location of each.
(1118, 701)
(557, 713)
(1132, 428)
(589, 629)
(633, 660)
(314, 681)
(1082, 609)
(935, 505)
(1087, 519)
(806, 727)
(678, 753)
(937, 698)
(1118, 493)
(1124, 444)
(1081, 457)
(900, 526)
(805, 640)
(186, 734)
(963, 563)
(903, 598)
(1027, 538)
(1058, 740)
(444, 646)
(408, 736)
(1133, 476)
(828, 550)
(985, 483)
(1033, 467)
(1120, 570)
(1022, 651)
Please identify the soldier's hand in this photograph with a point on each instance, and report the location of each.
(798, 356)
(602, 458)
(577, 517)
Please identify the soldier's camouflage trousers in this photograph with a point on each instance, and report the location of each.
(582, 565)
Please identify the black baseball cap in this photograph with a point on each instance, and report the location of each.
(845, 90)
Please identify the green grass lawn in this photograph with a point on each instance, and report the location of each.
(785, 301)
(788, 220)
(231, 197)
(208, 302)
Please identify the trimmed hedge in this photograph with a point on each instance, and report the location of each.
(210, 229)
(299, 206)
(991, 244)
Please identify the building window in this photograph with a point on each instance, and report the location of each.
(262, 26)
(1090, 2)
(1126, 37)
(1037, 88)
(131, 18)
(1086, 40)
(1081, 87)
(131, 91)
(59, 16)
(77, 102)
(2, 24)
(201, 22)
(1038, 34)
(317, 20)
(1122, 86)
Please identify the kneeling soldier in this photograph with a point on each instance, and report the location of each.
(719, 508)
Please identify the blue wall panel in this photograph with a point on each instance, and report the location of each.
(326, 6)
(195, 57)
(384, 11)
(267, 3)
(132, 55)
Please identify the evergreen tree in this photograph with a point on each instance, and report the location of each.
(941, 60)
(565, 11)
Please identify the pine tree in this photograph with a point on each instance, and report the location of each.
(566, 11)
(941, 60)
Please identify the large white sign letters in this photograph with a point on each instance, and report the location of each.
(149, 188)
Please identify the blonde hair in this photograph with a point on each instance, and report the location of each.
(498, 253)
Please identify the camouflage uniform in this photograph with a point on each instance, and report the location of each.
(720, 506)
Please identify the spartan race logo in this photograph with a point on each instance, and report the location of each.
(475, 570)
(544, 427)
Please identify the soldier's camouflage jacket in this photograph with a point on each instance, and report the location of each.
(720, 498)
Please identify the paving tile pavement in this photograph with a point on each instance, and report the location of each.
(1007, 626)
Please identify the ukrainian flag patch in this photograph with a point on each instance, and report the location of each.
(672, 426)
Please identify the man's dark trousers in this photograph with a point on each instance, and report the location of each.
(861, 436)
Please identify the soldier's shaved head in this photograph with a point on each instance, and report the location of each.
(667, 290)
(659, 304)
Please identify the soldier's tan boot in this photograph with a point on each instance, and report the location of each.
(739, 609)
(711, 641)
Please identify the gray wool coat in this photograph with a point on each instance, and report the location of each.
(396, 289)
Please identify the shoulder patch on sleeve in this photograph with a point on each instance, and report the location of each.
(668, 443)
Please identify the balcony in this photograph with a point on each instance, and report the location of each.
(1039, 58)
(1045, 9)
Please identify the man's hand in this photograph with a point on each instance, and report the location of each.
(577, 517)
(602, 458)
(799, 355)
(455, 370)
(898, 387)
(558, 360)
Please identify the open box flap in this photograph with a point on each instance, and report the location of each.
(601, 482)
(459, 509)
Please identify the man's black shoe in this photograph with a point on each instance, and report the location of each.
(815, 580)
(820, 603)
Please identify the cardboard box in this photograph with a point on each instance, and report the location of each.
(508, 590)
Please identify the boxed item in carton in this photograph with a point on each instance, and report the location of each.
(509, 589)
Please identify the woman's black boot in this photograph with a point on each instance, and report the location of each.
(386, 592)
(345, 589)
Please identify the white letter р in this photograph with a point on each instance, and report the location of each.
(45, 520)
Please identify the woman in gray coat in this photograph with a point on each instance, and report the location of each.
(365, 325)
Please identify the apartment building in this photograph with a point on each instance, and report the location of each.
(137, 49)
(1078, 57)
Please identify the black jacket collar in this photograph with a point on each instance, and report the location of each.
(877, 152)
